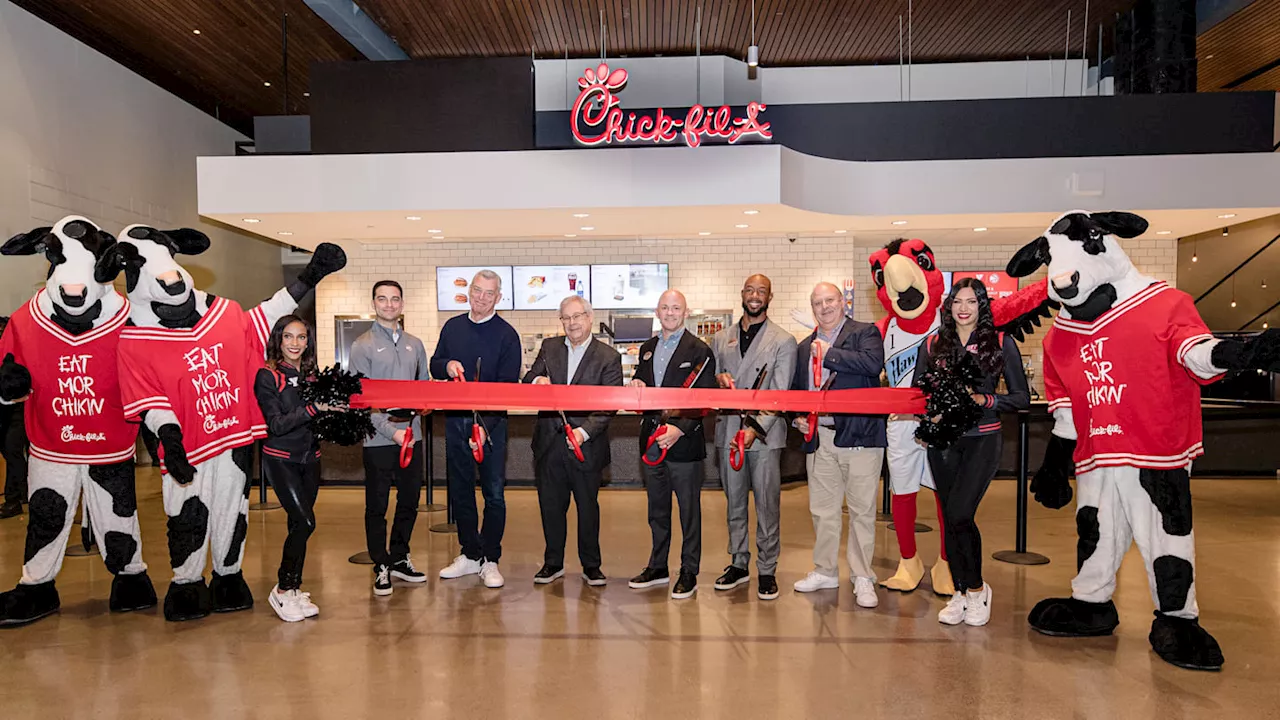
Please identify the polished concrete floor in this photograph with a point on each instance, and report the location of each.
(457, 650)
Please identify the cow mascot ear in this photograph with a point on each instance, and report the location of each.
(1029, 258)
(1120, 224)
(187, 241)
(109, 263)
(30, 243)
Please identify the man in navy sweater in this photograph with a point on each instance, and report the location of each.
(479, 335)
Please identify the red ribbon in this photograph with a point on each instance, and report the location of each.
(425, 395)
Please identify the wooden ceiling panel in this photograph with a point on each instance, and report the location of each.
(1248, 42)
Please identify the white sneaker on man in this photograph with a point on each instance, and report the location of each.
(864, 592)
(460, 567)
(285, 603)
(954, 612)
(978, 607)
(490, 575)
(815, 581)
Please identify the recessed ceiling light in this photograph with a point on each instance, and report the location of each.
(582, 215)
(1226, 216)
(251, 220)
(899, 222)
(434, 231)
(412, 217)
(570, 235)
(266, 84)
(284, 232)
(587, 228)
(437, 237)
(306, 94)
(1164, 232)
(1208, 57)
(742, 226)
(704, 233)
(750, 212)
(841, 232)
(195, 32)
(979, 229)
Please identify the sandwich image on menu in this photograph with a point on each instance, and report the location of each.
(543, 287)
(453, 286)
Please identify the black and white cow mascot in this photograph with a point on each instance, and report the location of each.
(1123, 366)
(59, 355)
(187, 367)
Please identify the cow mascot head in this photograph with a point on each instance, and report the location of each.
(60, 361)
(908, 283)
(187, 371)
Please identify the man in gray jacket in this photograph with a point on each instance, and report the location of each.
(741, 351)
(387, 352)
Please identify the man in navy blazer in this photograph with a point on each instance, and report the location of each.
(846, 451)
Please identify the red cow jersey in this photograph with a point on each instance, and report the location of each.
(204, 375)
(74, 415)
(1133, 401)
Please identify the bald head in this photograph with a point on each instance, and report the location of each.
(671, 311)
(828, 306)
(757, 292)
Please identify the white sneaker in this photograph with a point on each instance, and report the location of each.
(978, 607)
(864, 590)
(461, 566)
(309, 608)
(286, 604)
(816, 581)
(953, 613)
(490, 575)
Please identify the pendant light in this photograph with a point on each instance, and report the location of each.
(1195, 246)
(1233, 291)
(753, 52)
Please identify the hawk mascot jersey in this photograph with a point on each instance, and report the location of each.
(1133, 401)
(200, 375)
(75, 415)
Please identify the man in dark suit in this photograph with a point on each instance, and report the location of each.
(846, 451)
(575, 359)
(672, 359)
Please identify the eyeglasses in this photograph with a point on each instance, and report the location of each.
(576, 317)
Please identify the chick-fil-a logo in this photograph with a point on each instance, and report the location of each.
(597, 119)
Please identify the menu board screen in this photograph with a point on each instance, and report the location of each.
(628, 287)
(542, 287)
(453, 283)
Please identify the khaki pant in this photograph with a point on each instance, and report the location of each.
(837, 476)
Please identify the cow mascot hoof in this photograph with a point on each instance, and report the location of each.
(230, 593)
(132, 592)
(26, 604)
(187, 601)
(1068, 617)
(1182, 642)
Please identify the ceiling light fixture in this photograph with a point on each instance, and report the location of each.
(412, 217)
(841, 232)
(1226, 231)
(742, 226)
(1163, 232)
(437, 237)
(750, 212)
(1226, 216)
(195, 32)
(704, 233)
(1195, 251)
(434, 231)
(979, 229)
(570, 235)
(284, 232)
(306, 94)
(587, 228)
(266, 84)
(1233, 291)
(582, 215)
(251, 220)
(753, 51)
(899, 222)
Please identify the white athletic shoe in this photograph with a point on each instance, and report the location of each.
(309, 608)
(286, 604)
(864, 590)
(954, 612)
(461, 566)
(978, 607)
(490, 575)
(816, 581)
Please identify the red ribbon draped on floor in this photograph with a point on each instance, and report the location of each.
(425, 395)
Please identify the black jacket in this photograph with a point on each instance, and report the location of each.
(602, 365)
(856, 358)
(289, 435)
(690, 351)
(1015, 381)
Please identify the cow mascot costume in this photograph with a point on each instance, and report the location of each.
(1123, 366)
(59, 355)
(187, 367)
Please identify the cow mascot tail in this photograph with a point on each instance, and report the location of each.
(59, 361)
(1123, 366)
(187, 366)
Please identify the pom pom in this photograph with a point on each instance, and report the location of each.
(950, 411)
(335, 386)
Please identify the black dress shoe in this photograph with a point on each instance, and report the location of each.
(650, 577)
(686, 586)
(732, 578)
(548, 573)
(767, 587)
(594, 577)
(10, 509)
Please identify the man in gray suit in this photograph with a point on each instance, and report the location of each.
(575, 359)
(741, 350)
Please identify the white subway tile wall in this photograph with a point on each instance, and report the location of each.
(709, 271)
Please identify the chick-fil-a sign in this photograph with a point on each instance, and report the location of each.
(597, 119)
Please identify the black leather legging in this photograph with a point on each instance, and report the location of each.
(296, 485)
(963, 473)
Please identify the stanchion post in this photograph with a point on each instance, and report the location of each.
(1019, 555)
(428, 463)
(448, 525)
(886, 494)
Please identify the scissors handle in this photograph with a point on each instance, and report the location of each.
(477, 452)
(817, 366)
(406, 449)
(662, 455)
(738, 450)
(573, 441)
(813, 427)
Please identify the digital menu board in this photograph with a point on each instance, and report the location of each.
(628, 287)
(542, 287)
(452, 284)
